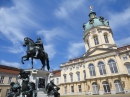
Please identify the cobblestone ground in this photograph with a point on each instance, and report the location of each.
(107, 95)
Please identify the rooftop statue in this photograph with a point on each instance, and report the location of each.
(35, 50)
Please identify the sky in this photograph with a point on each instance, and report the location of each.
(59, 24)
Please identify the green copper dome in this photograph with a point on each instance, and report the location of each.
(94, 22)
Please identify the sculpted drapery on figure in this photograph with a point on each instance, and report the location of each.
(14, 89)
(52, 89)
(36, 51)
(27, 88)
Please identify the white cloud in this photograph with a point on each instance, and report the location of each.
(67, 7)
(52, 35)
(13, 21)
(119, 19)
(17, 48)
(75, 49)
(50, 50)
(13, 64)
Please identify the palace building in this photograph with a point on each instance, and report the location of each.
(103, 69)
(7, 75)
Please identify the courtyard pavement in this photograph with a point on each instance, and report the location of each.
(107, 95)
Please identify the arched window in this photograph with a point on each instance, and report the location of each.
(71, 77)
(64, 78)
(95, 39)
(106, 38)
(92, 70)
(84, 74)
(95, 88)
(65, 89)
(78, 76)
(87, 43)
(101, 67)
(106, 87)
(112, 65)
(118, 86)
(128, 68)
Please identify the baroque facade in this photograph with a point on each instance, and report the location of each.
(7, 75)
(103, 69)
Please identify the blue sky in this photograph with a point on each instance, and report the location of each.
(59, 24)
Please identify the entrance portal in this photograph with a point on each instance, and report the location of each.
(106, 87)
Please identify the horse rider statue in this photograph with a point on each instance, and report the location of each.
(52, 89)
(14, 89)
(35, 50)
(39, 46)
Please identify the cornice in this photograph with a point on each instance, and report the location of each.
(95, 57)
(108, 76)
(99, 28)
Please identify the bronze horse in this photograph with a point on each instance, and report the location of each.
(31, 51)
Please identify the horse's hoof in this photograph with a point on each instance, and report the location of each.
(22, 62)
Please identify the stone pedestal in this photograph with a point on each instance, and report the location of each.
(40, 78)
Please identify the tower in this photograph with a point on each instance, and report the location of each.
(97, 33)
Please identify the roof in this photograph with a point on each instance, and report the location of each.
(123, 48)
(9, 69)
(95, 21)
(56, 73)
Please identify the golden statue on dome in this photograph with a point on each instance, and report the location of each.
(91, 8)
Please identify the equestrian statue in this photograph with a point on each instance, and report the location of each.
(35, 50)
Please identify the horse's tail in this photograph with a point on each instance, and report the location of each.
(47, 61)
(48, 66)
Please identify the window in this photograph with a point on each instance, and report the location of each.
(83, 66)
(84, 74)
(70, 69)
(128, 68)
(17, 79)
(88, 43)
(57, 80)
(101, 67)
(96, 40)
(65, 70)
(112, 65)
(65, 78)
(106, 38)
(95, 88)
(10, 79)
(118, 86)
(79, 87)
(72, 88)
(125, 57)
(7, 91)
(78, 76)
(71, 77)
(2, 79)
(65, 89)
(77, 68)
(92, 70)
(106, 87)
